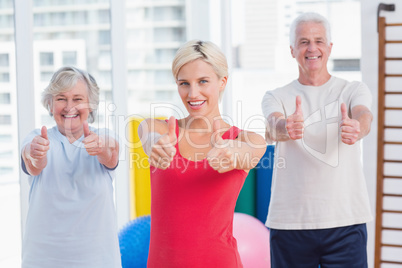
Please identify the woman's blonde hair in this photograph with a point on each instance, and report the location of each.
(63, 80)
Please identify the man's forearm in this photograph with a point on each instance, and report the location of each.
(362, 114)
(365, 118)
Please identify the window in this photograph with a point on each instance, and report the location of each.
(164, 55)
(69, 18)
(5, 170)
(46, 59)
(6, 154)
(164, 77)
(39, 19)
(103, 16)
(346, 65)
(10, 223)
(162, 95)
(106, 95)
(4, 60)
(169, 35)
(45, 76)
(139, 36)
(5, 119)
(138, 15)
(104, 37)
(61, 43)
(6, 138)
(59, 18)
(6, 4)
(141, 78)
(168, 13)
(69, 57)
(4, 77)
(5, 98)
(104, 59)
(103, 78)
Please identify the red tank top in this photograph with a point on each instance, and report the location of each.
(192, 209)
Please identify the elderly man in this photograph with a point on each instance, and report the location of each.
(319, 203)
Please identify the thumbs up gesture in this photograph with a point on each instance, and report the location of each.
(163, 150)
(295, 122)
(221, 157)
(93, 143)
(39, 145)
(350, 128)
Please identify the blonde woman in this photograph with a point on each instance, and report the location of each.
(199, 164)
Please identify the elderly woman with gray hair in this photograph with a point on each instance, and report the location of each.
(71, 218)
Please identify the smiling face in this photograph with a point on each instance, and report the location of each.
(70, 109)
(199, 88)
(311, 50)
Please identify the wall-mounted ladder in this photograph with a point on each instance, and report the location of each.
(388, 230)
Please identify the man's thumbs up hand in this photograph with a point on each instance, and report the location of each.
(350, 128)
(295, 122)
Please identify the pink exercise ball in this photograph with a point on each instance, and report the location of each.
(252, 241)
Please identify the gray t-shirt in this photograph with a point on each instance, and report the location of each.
(318, 181)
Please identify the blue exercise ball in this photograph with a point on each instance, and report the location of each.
(134, 242)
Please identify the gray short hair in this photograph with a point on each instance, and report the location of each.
(309, 17)
(63, 80)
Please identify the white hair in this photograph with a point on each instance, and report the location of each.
(309, 17)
